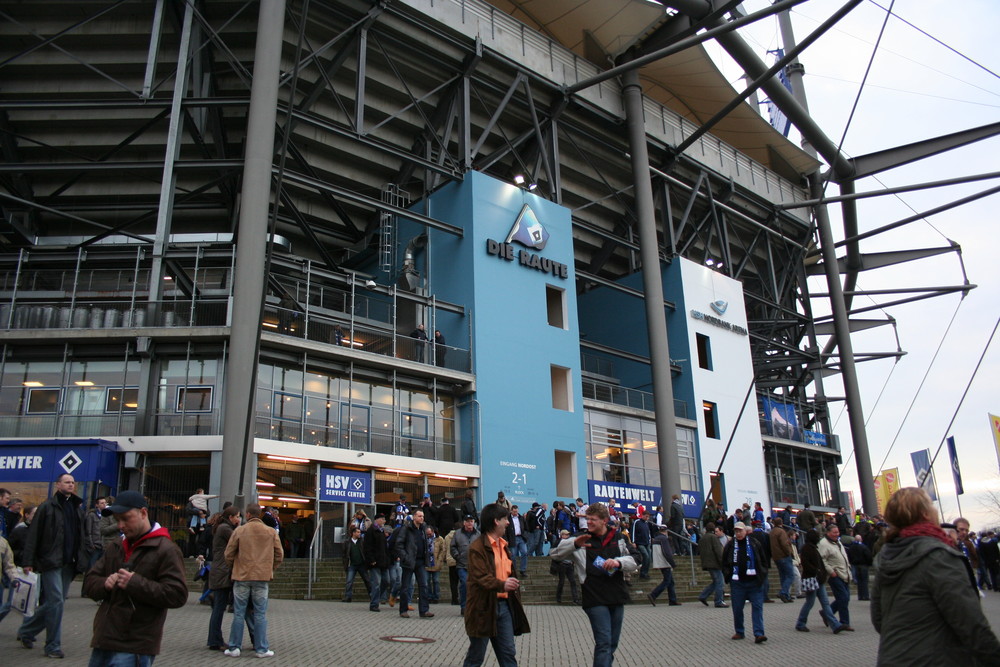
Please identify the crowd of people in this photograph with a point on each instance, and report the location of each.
(924, 579)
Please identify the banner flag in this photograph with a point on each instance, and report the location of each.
(995, 427)
(880, 495)
(922, 469)
(955, 471)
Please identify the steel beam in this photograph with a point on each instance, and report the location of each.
(652, 280)
(239, 462)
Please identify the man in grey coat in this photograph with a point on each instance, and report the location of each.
(460, 552)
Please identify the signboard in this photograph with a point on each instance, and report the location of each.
(628, 495)
(345, 486)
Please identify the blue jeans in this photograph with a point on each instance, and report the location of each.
(375, 578)
(395, 573)
(862, 580)
(606, 624)
(503, 642)
(220, 600)
(520, 552)
(352, 571)
(753, 592)
(824, 609)
(406, 588)
(535, 543)
(463, 576)
(841, 596)
(102, 658)
(53, 586)
(667, 584)
(433, 586)
(716, 586)
(242, 591)
(647, 559)
(786, 574)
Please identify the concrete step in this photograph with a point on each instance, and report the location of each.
(538, 587)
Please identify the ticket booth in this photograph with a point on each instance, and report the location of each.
(29, 468)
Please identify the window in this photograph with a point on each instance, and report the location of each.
(562, 398)
(708, 408)
(413, 426)
(566, 474)
(704, 351)
(555, 306)
(287, 407)
(43, 401)
(194, 399)
(121, 399)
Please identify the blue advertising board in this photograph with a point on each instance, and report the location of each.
(628, 495)
(345, 486)
(88, 460)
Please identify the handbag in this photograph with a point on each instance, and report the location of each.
(810, 584)
(24, 597)
(553, 567)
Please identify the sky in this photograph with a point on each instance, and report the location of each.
(916, 89)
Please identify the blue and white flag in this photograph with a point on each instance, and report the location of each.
(922, 469)
(955, 471)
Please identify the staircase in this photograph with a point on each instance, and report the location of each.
(291, 582)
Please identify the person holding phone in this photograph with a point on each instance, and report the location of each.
(601, 556)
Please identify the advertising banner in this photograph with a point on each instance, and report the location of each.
(627, 496)
(995, 428)
(956, 472)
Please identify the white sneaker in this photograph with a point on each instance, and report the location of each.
(232, 652)
(265, 654)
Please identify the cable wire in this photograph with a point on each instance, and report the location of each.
(902, 422)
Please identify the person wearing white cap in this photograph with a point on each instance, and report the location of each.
(745, 568)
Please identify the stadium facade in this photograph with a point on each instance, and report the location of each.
(224, 224)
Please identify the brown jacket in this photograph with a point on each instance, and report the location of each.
(781, 546)
(254, 552)
(130, 619)
(483, 586)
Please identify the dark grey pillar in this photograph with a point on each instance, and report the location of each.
(251, 250)
(845, 349)
(652, 280)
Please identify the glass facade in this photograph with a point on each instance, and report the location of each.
(800, 476)
(624, 450)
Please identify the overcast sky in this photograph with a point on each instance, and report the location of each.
(916, 89)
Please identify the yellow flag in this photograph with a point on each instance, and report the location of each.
(891, 482)
(880, 495)
(995, 427)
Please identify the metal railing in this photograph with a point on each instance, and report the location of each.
(633, 398)
(112, 314)
(345, 333)
(316, 545)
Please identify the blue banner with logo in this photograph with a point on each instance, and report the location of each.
(782, 422)
(627, 496)
(88, 460)
(345, 486)
(922, 469)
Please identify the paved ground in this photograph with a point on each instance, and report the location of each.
(306, 634)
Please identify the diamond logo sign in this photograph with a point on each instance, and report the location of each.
(70, 461)
(358, 484)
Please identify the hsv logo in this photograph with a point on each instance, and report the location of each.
(720, 306)
(528, 231)
(70, 462)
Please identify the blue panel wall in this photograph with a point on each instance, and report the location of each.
(513, 345)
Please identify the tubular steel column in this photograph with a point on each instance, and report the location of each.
(845, 349)
(251, 251)
(652, 280)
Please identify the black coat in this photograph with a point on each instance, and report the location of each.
(510, 528)
(44, 549)
(448, 519)
(375, 548)
(409, 542)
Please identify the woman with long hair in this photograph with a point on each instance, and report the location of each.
(923, 604)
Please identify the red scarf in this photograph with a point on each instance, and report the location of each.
(925, 529)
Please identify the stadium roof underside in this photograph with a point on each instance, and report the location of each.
(126, 122)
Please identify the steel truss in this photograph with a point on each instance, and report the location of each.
(372, 95)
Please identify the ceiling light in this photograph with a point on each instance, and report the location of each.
(519, 179)
(709, 262)
(33, 383)
(532, 186)
(456, 477)
(84, 383)
(287, 458)
(265, 497)
(402, 472)
(259, 483)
